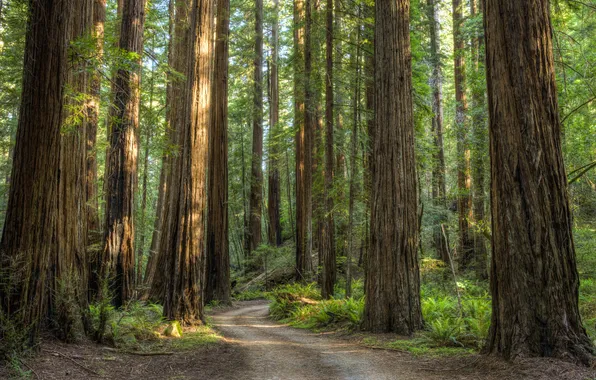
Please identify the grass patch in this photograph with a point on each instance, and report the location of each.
(417, 346)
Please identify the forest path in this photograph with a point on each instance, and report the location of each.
(270, 350)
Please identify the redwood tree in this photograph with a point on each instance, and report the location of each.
(183, 241)
(479, 136)
(94, 233)
(274, 185)
(303, 123)
(70, 270)
(117, 261)
(93, 225)
(392, 276)
(464, 200)
(28, 238)
(534, 280)
(327, 244)
(438, 170)
(256, 178)
(217, 285)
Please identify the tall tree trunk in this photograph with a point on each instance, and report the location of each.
(392, 274)
(94, 233)
(534, 279)
(304, 120)
(327, 248)
(93, 224)
(256, 179)
(218, 257)
(438, 169)
(340, 172)
(274, 198)
(368, 151)
(464, 200)
(184, 242)
(141, 247)
(161, 210)
(28, 239)
(353, 154)
(316, 89)
(117, 262)
(70, 278)
(479, 136)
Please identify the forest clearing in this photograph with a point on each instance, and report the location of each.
(298, 189)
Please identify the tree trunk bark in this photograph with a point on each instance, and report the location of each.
(438, 170)
(141, 247)
(218, 257)
(327, 249)
(464, 200)
(256, 180)
(274, 198)
(70, 276)
(479, 135)
(304, 120)
(153, 275)
(93, 224)
(28, 239)
(184, 242)
(354, 188)
(534, 279)
(392, 274)
(94, 233)
(117, 262)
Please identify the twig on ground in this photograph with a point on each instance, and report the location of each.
(30, 369)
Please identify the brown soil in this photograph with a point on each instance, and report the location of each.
(254, 347)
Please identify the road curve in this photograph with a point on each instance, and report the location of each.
(271, 350)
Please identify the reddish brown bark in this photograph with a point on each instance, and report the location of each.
(28, 239)
(464, 200)
(70, 277)
(327, 244)
(94, 233)
(438, 170)
(274, 193)
(184, 239)
(392, 275)
(304, 121)
(479, 136)
(117, 261)
(217, 285)
(256, 178)
(534, 279)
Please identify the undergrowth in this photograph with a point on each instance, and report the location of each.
(140, 327)
(449, 328)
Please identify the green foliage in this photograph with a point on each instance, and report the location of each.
(287, 299)
(585, 243)
(334, 313)
(125, 328)
(301, 306)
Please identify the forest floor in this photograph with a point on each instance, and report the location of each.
(252, 346)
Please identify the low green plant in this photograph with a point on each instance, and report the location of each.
(290, 297)
(342, 313)
(138, 321)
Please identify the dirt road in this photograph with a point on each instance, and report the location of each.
(255, 347)
(274, 351)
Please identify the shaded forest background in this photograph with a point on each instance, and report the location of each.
(454, 212)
